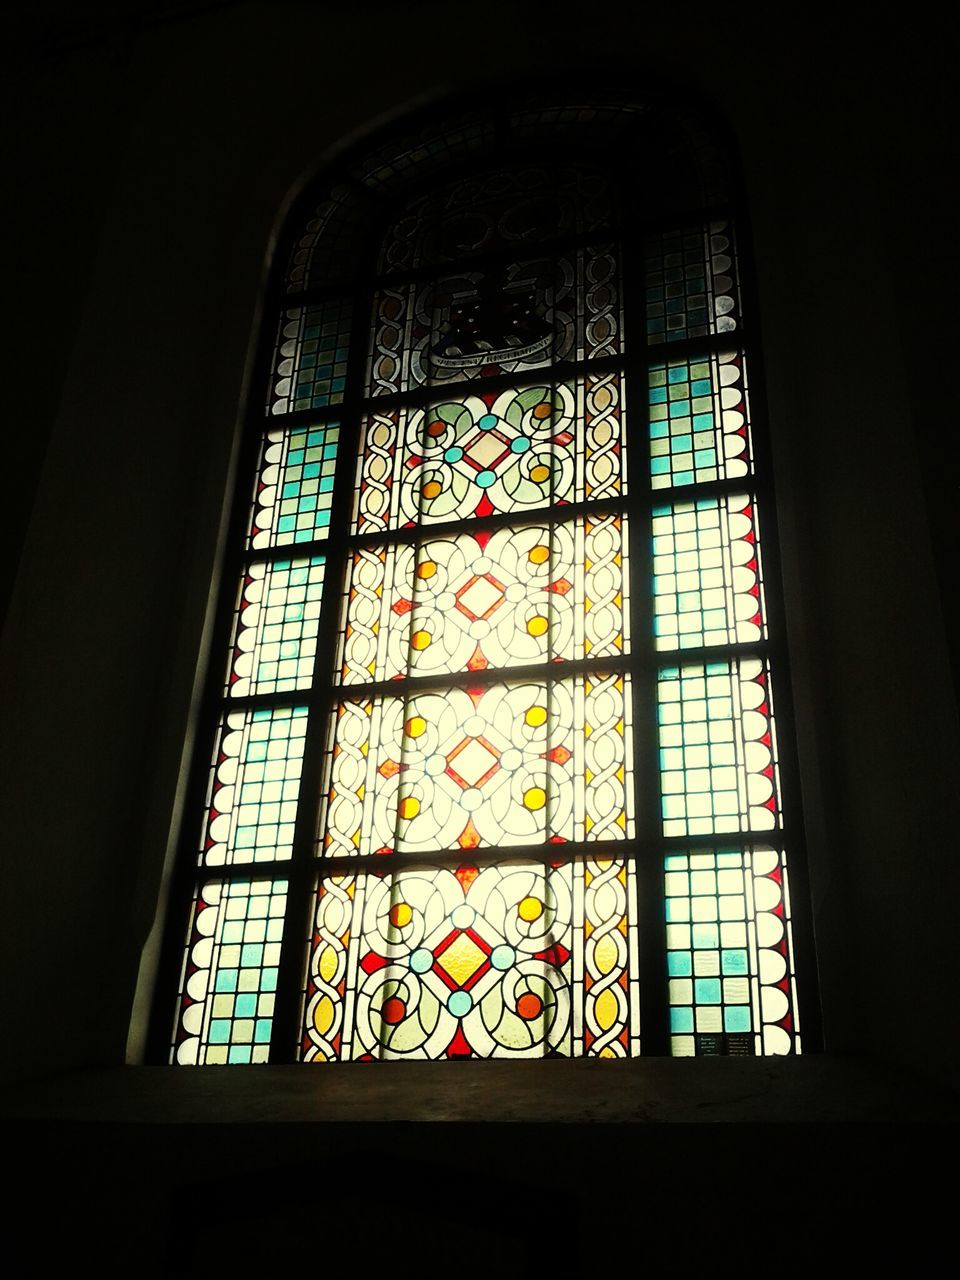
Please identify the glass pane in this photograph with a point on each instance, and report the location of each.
(254, 786)
(310, 368)
(520, 450)
(470, 601)
(730, 953)
(692, 286)
(707, 577)
(294, 486)
(482, 322)
(718, 757)
(230, 965)
(699, 420)
(509, 764)
(514, 960)
(274, 639)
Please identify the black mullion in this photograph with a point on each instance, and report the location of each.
(636, 851)
(303, 870)
(651, 930)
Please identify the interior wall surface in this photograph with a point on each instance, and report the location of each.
(141, 273)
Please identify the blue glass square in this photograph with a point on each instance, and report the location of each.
(262, 1031)
(246, 1005)
(220, 1031)
(679, 964)
(226, 980)
(251, 957)
(736, 1018)
(733, 963)
(706, 990)
(681, 1020)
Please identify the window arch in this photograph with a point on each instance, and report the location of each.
(496, 769)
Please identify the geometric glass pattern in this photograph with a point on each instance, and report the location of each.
(311, 364)
(718, 758)
(730, 953)
(254, 786)
(274, 640)
(707, 581)
(692, 288)
(230, 971)
(294, 487)
(500, 765)
(517, 450)
(699, 420)
(472, 601)
(510, 960)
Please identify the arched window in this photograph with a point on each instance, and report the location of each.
(496, 770)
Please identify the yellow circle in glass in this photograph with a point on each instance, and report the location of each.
(415, 726)
(431, 489)
(539, 473)
(420, 639)
(536, 716)
(530, 909)
(400, 914)
(542, 410)
(535, 798)
(537, 625)
(539, 554)
(409, 807)
(427, 569)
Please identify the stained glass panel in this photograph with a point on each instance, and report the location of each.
(294, 487)
(692, 287)
(274, 638)
(475, 323)
(507, 764)
(718, 757)
(311, 363)
(699, 420)
(707, 578)
(521, 449)
(510, 597)
(730, 953)
(512, 960)
(229, 977)
(254, 786)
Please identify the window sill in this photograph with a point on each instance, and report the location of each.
(817, 1089)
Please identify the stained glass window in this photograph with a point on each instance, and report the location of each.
(498, 760)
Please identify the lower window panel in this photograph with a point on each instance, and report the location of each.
(730, 953)
(510, 960)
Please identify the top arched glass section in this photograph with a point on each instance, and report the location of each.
(340, 222)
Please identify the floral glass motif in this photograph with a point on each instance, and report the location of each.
(730, 953)
(230, 972)
(518, 450)
(472, 601)
(511, 960)
(501, 765)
